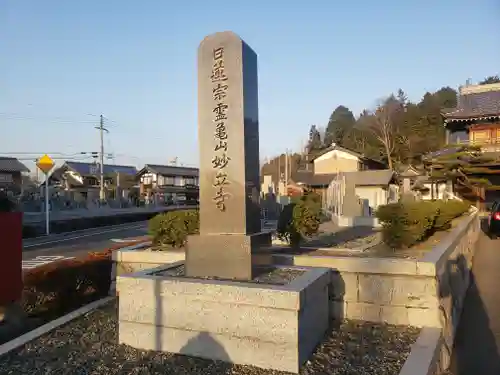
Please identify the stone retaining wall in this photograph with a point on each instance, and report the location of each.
(428, 292)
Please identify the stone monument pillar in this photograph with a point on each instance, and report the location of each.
(228, 129)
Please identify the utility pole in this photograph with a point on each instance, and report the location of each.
(36, 176)
(101, 129)
(278, 182)
(286, 171)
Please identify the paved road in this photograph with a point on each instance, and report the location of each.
(43, 250)
(39, 217)
(48, 249)
(477, 344)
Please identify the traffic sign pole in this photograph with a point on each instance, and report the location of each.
(47, 213)
(45, 164)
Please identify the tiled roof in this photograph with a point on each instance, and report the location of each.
(171, 170)
(336, 147)
(12, 165)
(360, 178)
(443, 152)
(407, 171)
(310, 179)
(474, 105)
(90, 169)
(371, 178)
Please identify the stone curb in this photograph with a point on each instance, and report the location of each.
(37, 332)
(332, 250)
(130, 247)
(425, 354)
(135, 246)
(112, 289)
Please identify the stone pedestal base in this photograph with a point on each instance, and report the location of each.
(227, 256)
(268, 326)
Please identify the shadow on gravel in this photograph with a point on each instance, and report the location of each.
(475, 350)
(204, 345)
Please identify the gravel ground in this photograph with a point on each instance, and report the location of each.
(332, 236)
(331, 240)
(269, 275)
(88, 346)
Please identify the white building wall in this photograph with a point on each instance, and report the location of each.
(374, 196)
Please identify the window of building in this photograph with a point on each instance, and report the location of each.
(94, 169)
(178, 181)
(190, 181)
(168, 180)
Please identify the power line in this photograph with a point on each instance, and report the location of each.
(55, 158)
(46, 119)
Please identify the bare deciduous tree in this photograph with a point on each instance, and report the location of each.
(381, 125)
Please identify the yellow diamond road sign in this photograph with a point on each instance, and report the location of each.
(45, 164)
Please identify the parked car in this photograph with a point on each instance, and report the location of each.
(494, 221)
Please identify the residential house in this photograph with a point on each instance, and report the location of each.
(337, 159)
(351, 185)
(476, 121)
(172, 183)
(325, 167)
(309, 180)
(81, 180)
(12, 173)
(373, 188)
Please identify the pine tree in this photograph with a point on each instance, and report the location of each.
(314, 143)
(466, 167)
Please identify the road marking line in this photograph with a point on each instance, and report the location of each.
(81, 236)
(123, 240)
(41, 260)
(73, 232)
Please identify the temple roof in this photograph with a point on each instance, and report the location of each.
(482, 103)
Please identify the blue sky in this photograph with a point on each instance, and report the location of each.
(63, 62)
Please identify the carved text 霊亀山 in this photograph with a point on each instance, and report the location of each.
(220, 159)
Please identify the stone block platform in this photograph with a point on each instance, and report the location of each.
(274, 321)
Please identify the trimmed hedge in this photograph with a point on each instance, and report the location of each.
(173, 228)
(57, 288)
(286, 229)
(449, 210)
(300, 219)
(404, 224)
